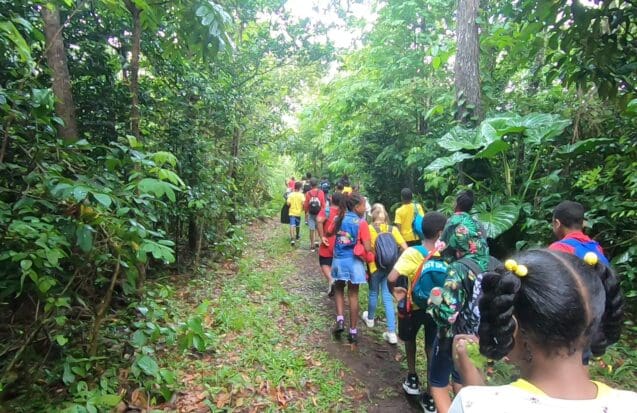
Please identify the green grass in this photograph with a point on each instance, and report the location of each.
(265, 358)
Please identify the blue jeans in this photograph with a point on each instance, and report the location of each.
(379, 280)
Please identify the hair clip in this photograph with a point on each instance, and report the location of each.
(591, 258)
(517, 269)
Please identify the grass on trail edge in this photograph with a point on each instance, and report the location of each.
(266, 357)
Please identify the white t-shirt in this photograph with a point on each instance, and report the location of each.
(523, 397)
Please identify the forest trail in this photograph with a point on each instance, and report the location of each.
(282, 355)
(373, 364)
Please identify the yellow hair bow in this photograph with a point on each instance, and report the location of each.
(518, 269)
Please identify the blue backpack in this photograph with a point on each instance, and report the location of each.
(581, 248)
(416, 224)
(432, 274)
(386, 249)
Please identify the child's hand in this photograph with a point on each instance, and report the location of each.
(326, 241)
(468, 360)
(467, 349)
(399, 293)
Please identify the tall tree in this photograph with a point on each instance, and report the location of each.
(467, 71)
(133, 75)
(61, 82)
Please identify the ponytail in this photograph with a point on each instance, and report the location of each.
(559, 302)
(348, 203)
(497, 325)
(612, 320)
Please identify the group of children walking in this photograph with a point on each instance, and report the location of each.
(546, 310)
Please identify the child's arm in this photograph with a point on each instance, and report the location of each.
(320, 221)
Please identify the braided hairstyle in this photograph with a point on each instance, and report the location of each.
(562, 303)
(348, 202)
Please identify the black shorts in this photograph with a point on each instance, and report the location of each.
(325, 261)
(409, 324)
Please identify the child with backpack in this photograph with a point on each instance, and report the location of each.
(467, 254)
(325, 220)
(405, 216)
(541, 312)
(387, 244)
(295, 201)
(313, 205)
(568, 226)
(352, 238)
(424, 269)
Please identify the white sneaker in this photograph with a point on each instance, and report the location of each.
(370, 323)
(390, 337)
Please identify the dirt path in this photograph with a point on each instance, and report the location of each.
(275, 350)
(374, 364)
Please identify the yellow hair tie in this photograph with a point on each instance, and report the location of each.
(521, 271)
(591, 258)
(517, 269)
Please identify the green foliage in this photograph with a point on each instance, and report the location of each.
(558, 89)
(83, 226)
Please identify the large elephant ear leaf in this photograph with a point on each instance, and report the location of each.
(458, 139)
(497, 217)
(542, 127)
(447, 161)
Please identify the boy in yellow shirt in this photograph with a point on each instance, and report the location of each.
(405, 217)
(409, 323)
(295, 201)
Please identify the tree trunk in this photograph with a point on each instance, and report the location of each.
(467, 72)
(133, 76)
(61, 80)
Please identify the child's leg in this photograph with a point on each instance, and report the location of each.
(431, 331)
(339, 298)
(292, 226)
(374, 284)
(326, 270)
(441, 367)
(388, 301)
(352, 294)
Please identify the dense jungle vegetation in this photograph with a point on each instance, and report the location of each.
(139, 138)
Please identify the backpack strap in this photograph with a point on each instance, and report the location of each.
(410, 285)
(581, 248)
(422, 250)
(467, 284)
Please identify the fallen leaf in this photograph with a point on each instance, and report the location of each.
(222, 400)
(138, 398)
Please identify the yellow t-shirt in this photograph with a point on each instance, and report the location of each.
(295, 201)
(408, 264)
(405, 218)
(383, 228)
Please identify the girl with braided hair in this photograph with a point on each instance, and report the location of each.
(347, 269)
(542, 311)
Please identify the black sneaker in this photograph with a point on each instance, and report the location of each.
(352, 338)
(411, 385)
(330, 290)
(298, 237)
(427, 403)
(338, 328)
